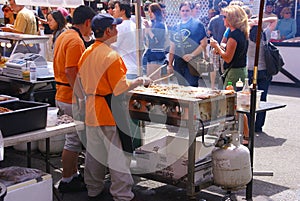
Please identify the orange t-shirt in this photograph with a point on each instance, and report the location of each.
(102, 72)
(67, 52)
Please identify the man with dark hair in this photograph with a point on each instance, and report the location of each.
(216, 26)
(68, 49)
(103, 76)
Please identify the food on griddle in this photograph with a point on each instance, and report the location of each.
(182, 91)
(3, 110)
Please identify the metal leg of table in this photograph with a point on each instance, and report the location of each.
(47, 158)
(240, 130)
(241, 126)
(28, 154)
(263, 173)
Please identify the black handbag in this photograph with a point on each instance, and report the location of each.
(273, 59)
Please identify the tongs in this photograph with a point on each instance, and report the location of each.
(162, 66)
(162, 78)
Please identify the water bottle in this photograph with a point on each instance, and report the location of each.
(239, 85)
(32, 68)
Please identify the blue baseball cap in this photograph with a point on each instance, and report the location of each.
(102, 21)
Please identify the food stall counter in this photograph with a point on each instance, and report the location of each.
(289, 50)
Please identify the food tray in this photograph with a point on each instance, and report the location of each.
(25, 116)
(6, 98)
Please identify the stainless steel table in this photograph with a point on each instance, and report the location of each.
(41, 134)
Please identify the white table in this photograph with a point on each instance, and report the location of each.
(45, 133)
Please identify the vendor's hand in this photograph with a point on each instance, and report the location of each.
(147, 81)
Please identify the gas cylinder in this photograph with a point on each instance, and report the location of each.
(231, 164)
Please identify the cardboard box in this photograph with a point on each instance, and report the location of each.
(168, 157)
(32, 190)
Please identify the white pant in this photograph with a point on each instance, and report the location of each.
(104, 148)
(72, 142)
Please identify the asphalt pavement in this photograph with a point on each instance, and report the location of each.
(276, 151)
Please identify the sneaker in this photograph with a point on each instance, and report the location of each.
(136, 198)
(102, 196)
(95, 198)
(75, 185)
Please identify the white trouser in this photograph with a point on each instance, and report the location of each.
(104, 148)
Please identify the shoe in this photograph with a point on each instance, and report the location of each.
(258, 130)
(102, 196)
(95, 198)
(136, 198)
(75, 185)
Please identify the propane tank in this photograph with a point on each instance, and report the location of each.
(231, 164)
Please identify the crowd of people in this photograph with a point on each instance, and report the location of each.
(95, 63)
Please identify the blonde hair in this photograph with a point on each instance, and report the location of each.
(284, 10)
(237, 18)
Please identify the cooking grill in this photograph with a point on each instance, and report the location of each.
(181, 106)
(185, 107)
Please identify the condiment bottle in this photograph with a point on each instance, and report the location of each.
(239, 85)
(229, 86)
(246, 88)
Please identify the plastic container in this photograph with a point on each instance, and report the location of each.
(23, 146)
(243, 100)
(25, 116)
(52, 116)
(57, 144)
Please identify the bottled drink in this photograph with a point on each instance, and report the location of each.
(229, 86)
(243, 97)
(246, 88)
(239, 85)
(32, 71)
